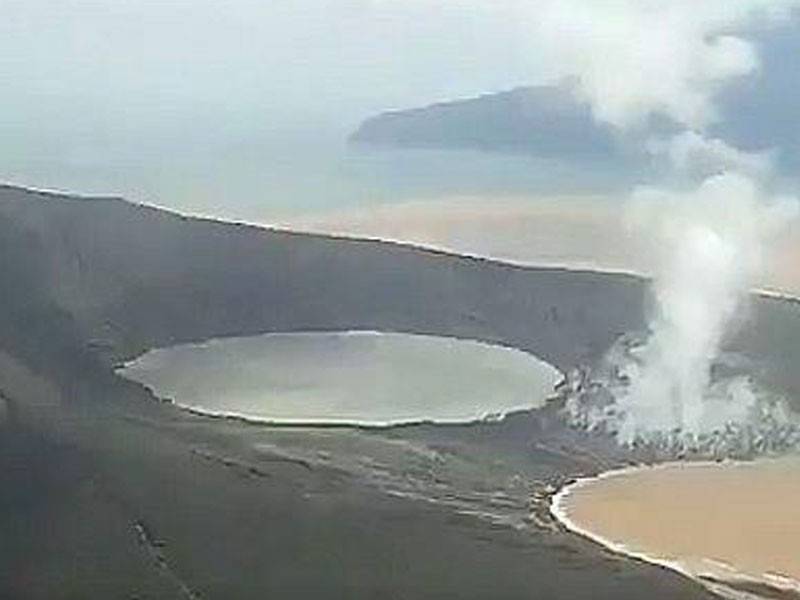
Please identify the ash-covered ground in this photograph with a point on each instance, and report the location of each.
(751, 416)
(108, 492)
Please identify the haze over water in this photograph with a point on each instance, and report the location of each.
(242, 111)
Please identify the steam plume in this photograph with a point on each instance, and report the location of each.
(714, 240)
(639, 59)
(642, 63)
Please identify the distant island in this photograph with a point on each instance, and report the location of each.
(552, 121)
(543, 120)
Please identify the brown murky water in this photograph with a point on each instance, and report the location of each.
(725, 520)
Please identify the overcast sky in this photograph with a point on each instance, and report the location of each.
(131, 60)
(94, 89)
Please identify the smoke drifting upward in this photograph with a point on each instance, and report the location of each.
(646, 67)
(713, 241)
(633, 60)
(696, 157)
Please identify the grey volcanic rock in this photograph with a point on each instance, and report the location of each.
(101, 279)
(90, 279)
(107, 494)
(130, 277)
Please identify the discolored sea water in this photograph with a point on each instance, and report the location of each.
(729, 521)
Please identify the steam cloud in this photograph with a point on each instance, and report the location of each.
(640, 64)
(639, 59)
(714, 241)
(696, 156)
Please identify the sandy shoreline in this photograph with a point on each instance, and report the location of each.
(559, 510)
(720, 577)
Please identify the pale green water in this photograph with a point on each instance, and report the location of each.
(347, 377)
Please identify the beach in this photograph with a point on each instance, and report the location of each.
(723, 523)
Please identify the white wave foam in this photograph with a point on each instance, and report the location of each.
(720, 571)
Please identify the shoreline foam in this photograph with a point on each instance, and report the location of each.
(321, 423)
(722, 584)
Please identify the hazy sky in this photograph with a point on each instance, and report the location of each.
(129, 61)
(118, 63)
(241, 107)
(238, 108)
